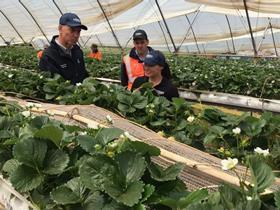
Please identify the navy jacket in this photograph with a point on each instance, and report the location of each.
(71, 68)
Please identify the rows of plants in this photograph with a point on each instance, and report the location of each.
(210, 130)
(26, 57)
(66, 167)
(252, 78)
(20, 56)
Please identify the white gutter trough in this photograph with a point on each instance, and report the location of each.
(10, 199)
(227, 99)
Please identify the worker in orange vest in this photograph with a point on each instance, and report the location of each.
(40, 53)
(133, 64)
(95, 53)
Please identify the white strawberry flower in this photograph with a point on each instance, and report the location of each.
(171, 138)
(78, 84)
(82, 133)
(50, 112)
(26, 113)
(113, 144)
(194, 83)
(249, 198)
(190, 119)
(161, 133)
(109, 119)
(58, 98)
(236, 131)
(41, 77)
(10, 75)
(126, 134)
(38, 105)
(260, 151)
(151, 111)
(92, 125)
(229, 163)
(29, 105)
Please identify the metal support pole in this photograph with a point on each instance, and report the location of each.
(193, 34)
(228, 46)
(32, 43)
(125, 46)
(203, 46)
(250, 28)
(164, 36)
(31, 39)
(175, 49)
(12, 40)
(99, 41)
(182, 42)
(233, 45)
(273, 39)
(34, 20)
(57, 7)
(118, 43)
(263, 37)
(82, 42)
(3, 39)
(87, 40)
(12, 26)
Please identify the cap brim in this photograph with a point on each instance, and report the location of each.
(139, 38)
(150, 63)
(79, 25)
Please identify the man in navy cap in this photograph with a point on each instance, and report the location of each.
(64, 56)
(154, 63)
(132, 64)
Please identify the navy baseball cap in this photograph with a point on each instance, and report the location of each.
(153, 58)
(140, 34)
(72, 20)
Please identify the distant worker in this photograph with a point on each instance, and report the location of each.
(132, 64)
(154, 63)
(64, 56)
(40, 53)
(95, 53)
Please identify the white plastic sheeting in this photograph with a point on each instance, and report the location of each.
(209, 31)
(269, 7)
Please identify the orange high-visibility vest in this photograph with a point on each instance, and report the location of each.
(97, 55)
(134, 69)
(40, 54)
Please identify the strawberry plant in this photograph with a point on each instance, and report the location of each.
(210, 130)
(257, 79)
(60, 166)
(67, 167)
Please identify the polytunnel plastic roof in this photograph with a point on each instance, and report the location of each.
(196, 26)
